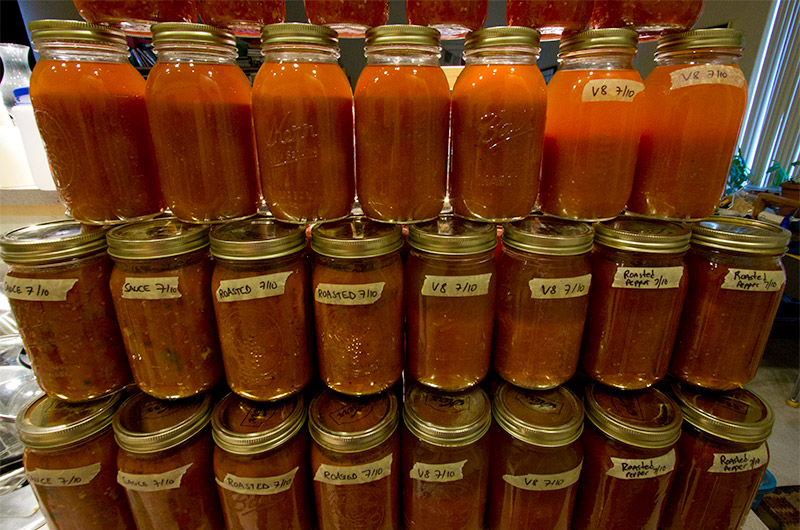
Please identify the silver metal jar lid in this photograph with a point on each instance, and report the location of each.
(638, 234)
(699, 39)
(402, 35)
(548, 235)
(355, 238)
(347, 424)
(448, 419)
(51, 242)
(740, 235)
(158, 238)
(52, 31)
(502, 36)
(449, 235)
(599, 39)
(245, 427)
(547, 418)
(256, 238)
(298, 34)
(190, 33)
(144, 424)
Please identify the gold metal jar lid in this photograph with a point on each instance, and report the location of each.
(256, 238)
(548, 235)
(643, 418)
(449, 419)
(293, 33)
(700, 39)
(348, 424)
(515, 36)
(547, 418)
(638, 234)
(244, 427)
(402, 35)
(47, 423)
(740, 235)
(450, 235)
(189, 33)
(355, 238)
(738, 415)
(51, 242)
(47, 31)
(144, 424)
(599, 38)
(158, 238)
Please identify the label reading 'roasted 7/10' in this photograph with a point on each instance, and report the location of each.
(260, 485)
(252, 288)
(347, 294)
(648, 277)
(347, 475)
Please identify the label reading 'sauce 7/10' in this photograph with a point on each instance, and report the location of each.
(168, 480)
(35, 290)
(151, 288)
(77, 476)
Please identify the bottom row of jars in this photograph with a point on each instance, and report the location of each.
(632, 468)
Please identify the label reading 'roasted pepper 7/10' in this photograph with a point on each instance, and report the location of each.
(456, 286)
(259, 485)
(347, 475)
(35, 290)
(77, 476)
(739, 462)
(648, 277)
(636, 468)
(346, 294)
(753, 280)
(163, 288)
(252, 288)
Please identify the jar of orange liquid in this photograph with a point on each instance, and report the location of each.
(592, 131)
(243, 17)
(452, 18)
(550, 17)
(350, 18)
(402, 104)
(692, 110)
(650, 18)
(135, 18)
(499, 103)
(198, 104)
(89, 106)
(303, 116)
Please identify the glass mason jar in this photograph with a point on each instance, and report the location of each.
(736, 279)
(592, 130)
(692, 109)
(536, 458)
(244, 18)
(261, 463)
(543, 279)
(198, 104)
(445, 464)
(650, 18)
(355, 461)
(303, 115)
(57, 287)
(89, 105)
(357, 281)
(260, 285)
(629, 459)
(638, 287)
(498, 114)
(450, 297)
(722, 457)
(70, 461)
(402, 106)
(161, 288)
(452, 18)
(350, 18)
(135, 18)
(551, 17)
(165, 463)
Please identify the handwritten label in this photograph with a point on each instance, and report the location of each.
(34, 290)
(151, 288)
(456, 286)
(438, 472)
(252, 288)
(258, 486)
(738, 462)
(556, 288)
(711, 74)
(556, 481)
(648, 277)
(647, 468)
(753, 280)
(77, 476)
(349, 475)
(611, 90)
(360, 294)
(169, 480)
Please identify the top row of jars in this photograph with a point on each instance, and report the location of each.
(453, 18)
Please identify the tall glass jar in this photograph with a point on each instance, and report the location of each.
(498, 115)
(452, 18)
(260, 285)
(543, 279)
(552, 18)
(355, 461)
(592, 130)
(536, 458)
(198, 104)
(135, 18)
(261, 464)
(402, 106)
(165, 463)
(629, 459)
(89, 106)
(736, 279)
(357, 283)
(450, 297)
(692, 109)
(303, 116)
(445, 466)
(161, 288)
(650, 18)
(57, 287)
(638, 287)
(350, 18)
(70, 461)
(244, 18)
(722, 457)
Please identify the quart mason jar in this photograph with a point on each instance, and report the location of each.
(552, 18)
(244, 18)
(89, 105)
